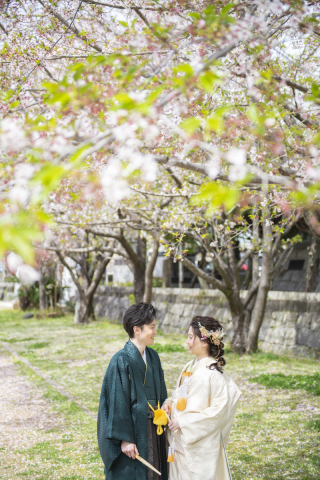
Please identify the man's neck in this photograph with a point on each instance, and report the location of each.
(141, 347)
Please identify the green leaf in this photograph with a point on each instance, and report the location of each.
(49, 177)
(253, 113)
(75, 156)
(216, 196)
(209, 80)
(315, 89)
(191, 125)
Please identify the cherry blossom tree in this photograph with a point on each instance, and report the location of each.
(86, 259)
(131, 225)
(237, 243)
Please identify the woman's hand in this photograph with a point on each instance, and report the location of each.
(174, 425)
(129, 449)
(166, 408)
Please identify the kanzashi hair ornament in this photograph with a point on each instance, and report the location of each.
(215, 337)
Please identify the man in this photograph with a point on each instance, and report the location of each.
(133, 379)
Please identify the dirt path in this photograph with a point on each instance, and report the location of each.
(24, 413)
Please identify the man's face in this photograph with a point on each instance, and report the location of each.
(146, 333)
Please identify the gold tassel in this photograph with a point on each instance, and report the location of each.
(181, 404)
(160, 418)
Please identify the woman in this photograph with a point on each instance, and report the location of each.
(202, 408)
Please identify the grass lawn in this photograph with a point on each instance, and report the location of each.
(276, 433)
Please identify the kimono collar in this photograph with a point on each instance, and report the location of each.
(144, 356)
(202, 363)
(135, 358)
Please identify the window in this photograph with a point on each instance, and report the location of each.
(119, 262)
(296, 265)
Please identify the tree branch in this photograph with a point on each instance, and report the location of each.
(97, 276)
(251, 292)
(73, 28)
(74, 278)
(121, 7)
(122, 240)
(3, 29)
(244, 258)
(200, 273)
(291, 83)
(72, 250)
(143, 17)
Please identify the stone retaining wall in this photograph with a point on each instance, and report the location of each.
(291, 324)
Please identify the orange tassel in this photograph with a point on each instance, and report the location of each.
(181, 404)
(170, 454)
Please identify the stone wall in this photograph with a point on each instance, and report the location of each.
(291, 324)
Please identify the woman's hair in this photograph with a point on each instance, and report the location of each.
(138, 315)
(215, 351)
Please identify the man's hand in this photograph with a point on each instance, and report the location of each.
(129, 449)
(174, 425)
(166, 408)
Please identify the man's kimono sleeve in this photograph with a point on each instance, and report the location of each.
(114, 418)
(194, 425)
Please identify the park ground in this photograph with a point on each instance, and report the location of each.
(48, 435)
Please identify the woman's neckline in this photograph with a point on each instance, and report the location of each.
(196, 361)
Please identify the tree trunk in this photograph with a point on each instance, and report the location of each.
(238, 318)
(166, 272)
(139, 284)
(85, 311)
(238, 341)
(139, 270)
(254, 274)
(42, 290)
(263, 290)
(180, 266)
(312, 254)
(248, 317)
(150, 269)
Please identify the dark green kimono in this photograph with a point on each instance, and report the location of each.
(123, 412)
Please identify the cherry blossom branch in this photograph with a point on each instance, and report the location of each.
(122, 7)
(291, 83)
(71, 27)
(162, 194)
(3, 29)
(127, 54)
(72, 250)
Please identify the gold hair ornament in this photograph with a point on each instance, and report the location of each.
(214, 337)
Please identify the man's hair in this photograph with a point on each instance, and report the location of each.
(138, 315)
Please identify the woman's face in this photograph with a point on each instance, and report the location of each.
(195, 345)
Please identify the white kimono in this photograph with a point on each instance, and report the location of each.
(211, 404)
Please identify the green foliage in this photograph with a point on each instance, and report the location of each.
(215, 195)
(29, 296)
(167, 348)
(37, 345)
(314, 425)
(17, 232)
(309, 383)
